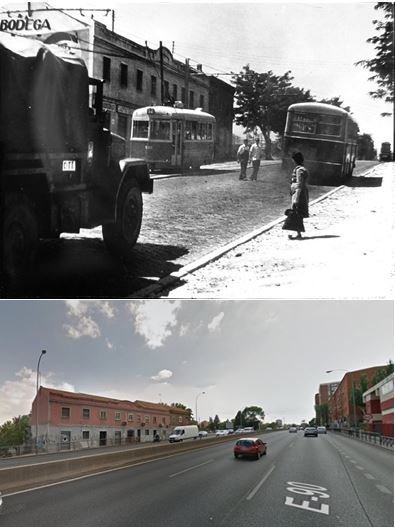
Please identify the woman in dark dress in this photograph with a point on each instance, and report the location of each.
(299, 198)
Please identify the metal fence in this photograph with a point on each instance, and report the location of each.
(371, 438)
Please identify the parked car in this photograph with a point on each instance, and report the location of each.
(251, 447)
(293, 430)
(239, 431)
(310, 431)
(321, 429)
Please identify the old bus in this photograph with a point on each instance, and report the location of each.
(168, 137)
(327, 137)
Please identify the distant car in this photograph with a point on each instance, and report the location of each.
(293, 430)
(310, 431)
(221, 432)
(248, 430)
(321, 429)
(250, 447)
(203, 434)
(239, 431)
(269, 428)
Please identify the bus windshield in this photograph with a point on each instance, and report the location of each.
(140, 129)
(160, 129)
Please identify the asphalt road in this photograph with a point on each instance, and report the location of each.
(326, 481)
(185, 218)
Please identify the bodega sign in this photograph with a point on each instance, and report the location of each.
(24, 24)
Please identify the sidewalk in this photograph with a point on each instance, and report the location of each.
(347, 252)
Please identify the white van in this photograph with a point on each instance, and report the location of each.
(183, 432)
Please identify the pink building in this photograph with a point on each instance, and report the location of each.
(62, 419)
(379, 407)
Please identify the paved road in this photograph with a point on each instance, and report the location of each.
(185, 218)
(326, 481)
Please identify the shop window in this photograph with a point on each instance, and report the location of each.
(85, 435)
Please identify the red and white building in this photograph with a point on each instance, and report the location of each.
(65, 420)
(379, 407)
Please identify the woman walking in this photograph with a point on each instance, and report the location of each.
(299, 198)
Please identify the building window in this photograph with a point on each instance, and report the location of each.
(106, 69)
(166, 90)
(103, 415)
(147, 432)
(147, 419)
(201, 102)
(85, 435)
(117, 416)
(86, 413)
(139, 81)
(65, 412)
(180, 419)
(130, 417)
(153, 85)
(191, 99)
(122, 125)
(124, 75)
(175, 92)
(154, 420)
(138, 418)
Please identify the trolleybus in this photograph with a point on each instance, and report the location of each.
(168, 137)
(327, 137)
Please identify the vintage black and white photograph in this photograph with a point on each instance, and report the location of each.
(196, 150)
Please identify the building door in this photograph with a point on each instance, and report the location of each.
(103, 438)
(177, 131)
(138, 435)
(65, 439)
(117, 437)
(130, 436)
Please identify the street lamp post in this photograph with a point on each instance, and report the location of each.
(352, 395)
(196, 406)
(37, 401)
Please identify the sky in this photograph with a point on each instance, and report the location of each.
(221, 355)
(319, 42)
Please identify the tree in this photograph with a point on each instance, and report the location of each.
(335, 101)
(366, 150)
(382, 373)
(251, 416)
(185, 408)
(322, 414)
(262, 101)
(382, 66)
(15, 432)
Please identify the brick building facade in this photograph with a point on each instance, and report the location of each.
(62, 419)
(379, 407)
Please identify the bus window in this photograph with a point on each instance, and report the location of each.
(202, 131)
(304, 123)
(329, 125)
(160, 129)
(188, 129)
(209, 131)
(140, 129)
(194, 130)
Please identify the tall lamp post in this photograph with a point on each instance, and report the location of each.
(352, 395)
(196, 406)
(37, 401)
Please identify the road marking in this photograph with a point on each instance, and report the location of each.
(254, 491)
(353, 461)
(190, 469)
(383, 489)
(369, 476)
(360, 467)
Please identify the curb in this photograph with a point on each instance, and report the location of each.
(174, 277)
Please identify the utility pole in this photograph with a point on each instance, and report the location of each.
(187, 83)
(162, 86)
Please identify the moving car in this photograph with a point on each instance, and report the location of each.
(292, 430)
(321, 429)
(251, 447)
(203, 434)
(310, 431)
(221, 432)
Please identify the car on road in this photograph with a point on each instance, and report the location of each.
(203, 434)
(321, 429)
(221, 432)
(310, 431)
(239, 431)
(293, 430)
(250, 447)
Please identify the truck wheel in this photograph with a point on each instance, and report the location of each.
(20, 240)
(121, 236)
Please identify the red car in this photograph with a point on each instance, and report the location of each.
(253, 447)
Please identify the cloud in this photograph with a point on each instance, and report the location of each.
(16, 396)
(110, 346)
(83, 315)
(84, 327)
(216, 321)
(154, 320)
(162, 375)
(107, 309)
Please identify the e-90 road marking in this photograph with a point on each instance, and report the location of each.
(313, 491)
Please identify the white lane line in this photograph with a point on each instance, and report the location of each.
(369, 476)
(353, 461)
(190, 469)
(253, 492)
(360, 467)
(383, 489)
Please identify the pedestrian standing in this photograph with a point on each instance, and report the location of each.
(299, 198)
(243, 154)
(255, 158)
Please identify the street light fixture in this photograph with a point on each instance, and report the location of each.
(196, 406)
(352, 394)
(37, 401)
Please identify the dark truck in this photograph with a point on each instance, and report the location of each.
(60, 169)
(385, 152)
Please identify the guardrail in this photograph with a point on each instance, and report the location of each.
(371, 438)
